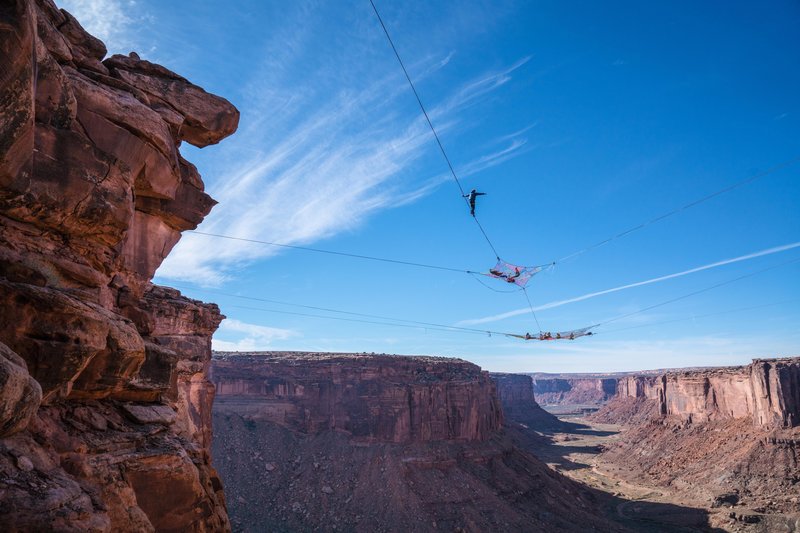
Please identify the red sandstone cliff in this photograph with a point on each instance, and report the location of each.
(373, 399)
(105, 405)
(766, 391)
(724, 436)
(519, 405)
(573, 390)
(349, 442)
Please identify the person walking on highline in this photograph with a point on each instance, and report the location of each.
(471, 196)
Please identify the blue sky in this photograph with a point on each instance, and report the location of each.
(579, 120)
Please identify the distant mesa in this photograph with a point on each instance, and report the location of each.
(380, 398)
(766, 392)
(375, 442)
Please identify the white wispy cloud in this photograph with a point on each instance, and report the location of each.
(559, 303)
(234, 335)
(312, 166)
(112, 21)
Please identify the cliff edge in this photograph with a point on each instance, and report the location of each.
(573, 390)
(105, 406)
(719, 437)
(767, 392)
(516, 392)
(357, 442)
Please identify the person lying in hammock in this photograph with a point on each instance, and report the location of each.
(510, 278)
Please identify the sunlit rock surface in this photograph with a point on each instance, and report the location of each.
(104, 405)
(767, 391)
(717, 436)
(372, 398)
(375, 442)
(573, 390)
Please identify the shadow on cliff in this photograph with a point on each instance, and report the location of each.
(633, 514)
(654, 517)
(584, 430)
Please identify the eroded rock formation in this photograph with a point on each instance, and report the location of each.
(434, 399)
(766, 391)
(573, 390)
(105, 405)
(519, 405)
(357, 442)
(724, 436)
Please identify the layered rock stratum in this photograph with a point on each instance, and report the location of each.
(574, 390)
(105, 407)
(519, 404)
(357, 442)
(767, 392)
(372, 399)
(725, 437)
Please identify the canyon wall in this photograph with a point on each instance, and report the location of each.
(514, 390)
(105, 407)
(766, 391)
(519, 405)
(370, 398)
(573, 390)
(725, 436)
(358, 442)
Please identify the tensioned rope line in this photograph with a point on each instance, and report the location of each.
(530, 306)
(430, 124)
(750, 179)
(331, 310)
(458, 329)
(345, 254)
(332, 252)
(731, 187)
(492, 288)
(694, 293)
(435, 327)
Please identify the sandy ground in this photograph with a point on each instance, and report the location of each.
(574, 450)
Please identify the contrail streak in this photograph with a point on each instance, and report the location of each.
(559, 303)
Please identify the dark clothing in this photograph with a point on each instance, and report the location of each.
(471, 196)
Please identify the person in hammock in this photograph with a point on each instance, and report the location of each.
(511, 278)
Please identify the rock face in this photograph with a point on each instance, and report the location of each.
(716, 436)
(373, 399)
(766, 391)
(379, 443)
(573, 390)
(519, 405)
(94, 193)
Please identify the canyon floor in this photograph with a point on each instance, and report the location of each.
(574, 447)
(355, 442)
